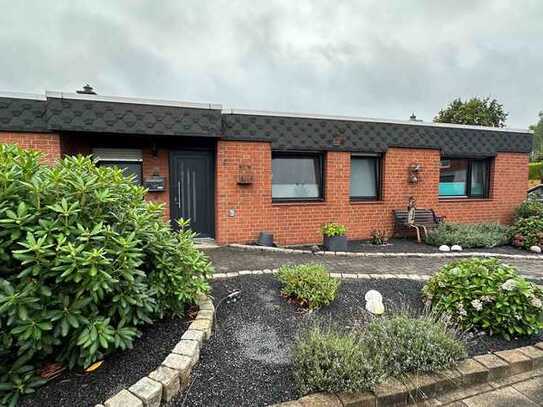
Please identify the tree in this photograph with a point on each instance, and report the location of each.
(537, 148)
(475, 111)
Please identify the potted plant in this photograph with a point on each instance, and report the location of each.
(334, 238)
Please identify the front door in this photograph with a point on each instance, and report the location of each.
(192, 190)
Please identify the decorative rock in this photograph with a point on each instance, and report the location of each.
(533, 353)
(188, 348)
(456, 248)
(535, 249)
(180, 363)
(169, 378)
(497, 367)
(374, 302)
(444, 248)
(124, 399)
(373, 295)
(149, 391)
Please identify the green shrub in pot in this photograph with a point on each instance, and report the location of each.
(334, 237)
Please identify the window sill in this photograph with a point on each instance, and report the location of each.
(366, 201)
(316, 202)
(464, 199)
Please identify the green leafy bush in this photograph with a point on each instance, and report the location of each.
(333, 229)
(485, 294)
(325, 359)
(84, 261)
(469, 236)
(414, 344)
(529, 208)
(535, 170)
(528, 232)
(309, 284)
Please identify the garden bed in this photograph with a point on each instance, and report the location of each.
(247, 361)
(119, 370)
(411, 246)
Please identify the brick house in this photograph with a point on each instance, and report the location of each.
(235, 173)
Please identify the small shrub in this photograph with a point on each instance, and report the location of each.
(332, 361)
(469, 236)
(333, 229)
(378, 237)
(414, 344)
(486, 295)
(309, 284)
(528, 232)
(535, 170)
(529, 208)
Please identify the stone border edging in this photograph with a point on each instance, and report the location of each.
(383, 254)
(496, 369)
(173, 375)
(351, 276)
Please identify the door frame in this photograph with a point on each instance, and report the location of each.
(173, 154)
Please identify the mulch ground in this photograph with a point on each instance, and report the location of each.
(411, 246)
(119, 370)
(247, 360)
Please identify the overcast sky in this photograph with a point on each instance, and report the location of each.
(378, 58)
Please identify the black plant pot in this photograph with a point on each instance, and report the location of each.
(335, 243)
(265, 239)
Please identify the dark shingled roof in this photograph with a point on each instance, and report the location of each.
(284, 132)
(299, 133)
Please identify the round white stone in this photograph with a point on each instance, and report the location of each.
(456, 248)
(444, 248)
(375, 306)
(373, 295)
(535, 249)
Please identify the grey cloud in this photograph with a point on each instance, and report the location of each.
(366, 58)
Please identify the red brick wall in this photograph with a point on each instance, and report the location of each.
(158, 164)
(300, 222)
(48, 144)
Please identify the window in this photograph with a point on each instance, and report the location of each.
(129, 160)
(297, 177)
(365, 177)
(464, 178)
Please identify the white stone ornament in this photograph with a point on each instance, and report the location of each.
(456, 248)
(444, 248)
(535, 249)
(374, 302)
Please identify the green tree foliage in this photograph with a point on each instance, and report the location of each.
(474, 111)
(537, 150)
(84, 261)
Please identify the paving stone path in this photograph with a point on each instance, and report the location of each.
(229, 259)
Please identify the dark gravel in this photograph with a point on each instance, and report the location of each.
(119, 370)
(411, 246)
(246, 362)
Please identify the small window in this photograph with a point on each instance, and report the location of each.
(297, 177)
(129, 160)
(365, 178)
(464, 178)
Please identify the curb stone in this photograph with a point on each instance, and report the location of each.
(382, 254)
(173, 375)
(470, 376)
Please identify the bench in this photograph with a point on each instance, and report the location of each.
(424, 219)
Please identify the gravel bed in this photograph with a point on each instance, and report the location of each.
(246, 362)
(119, 370)
(411, 246)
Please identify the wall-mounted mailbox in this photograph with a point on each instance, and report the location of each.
(246, 175)
(155, 184)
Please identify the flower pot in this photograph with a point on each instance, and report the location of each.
(265, 239)
(335, 243)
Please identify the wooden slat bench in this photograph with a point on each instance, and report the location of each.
(424, 219)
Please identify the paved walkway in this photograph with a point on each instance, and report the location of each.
(228, 259)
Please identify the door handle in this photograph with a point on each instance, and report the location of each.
(179, 194)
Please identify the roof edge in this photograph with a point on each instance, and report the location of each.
(22, 95)
(371, 120)
(130, 100)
